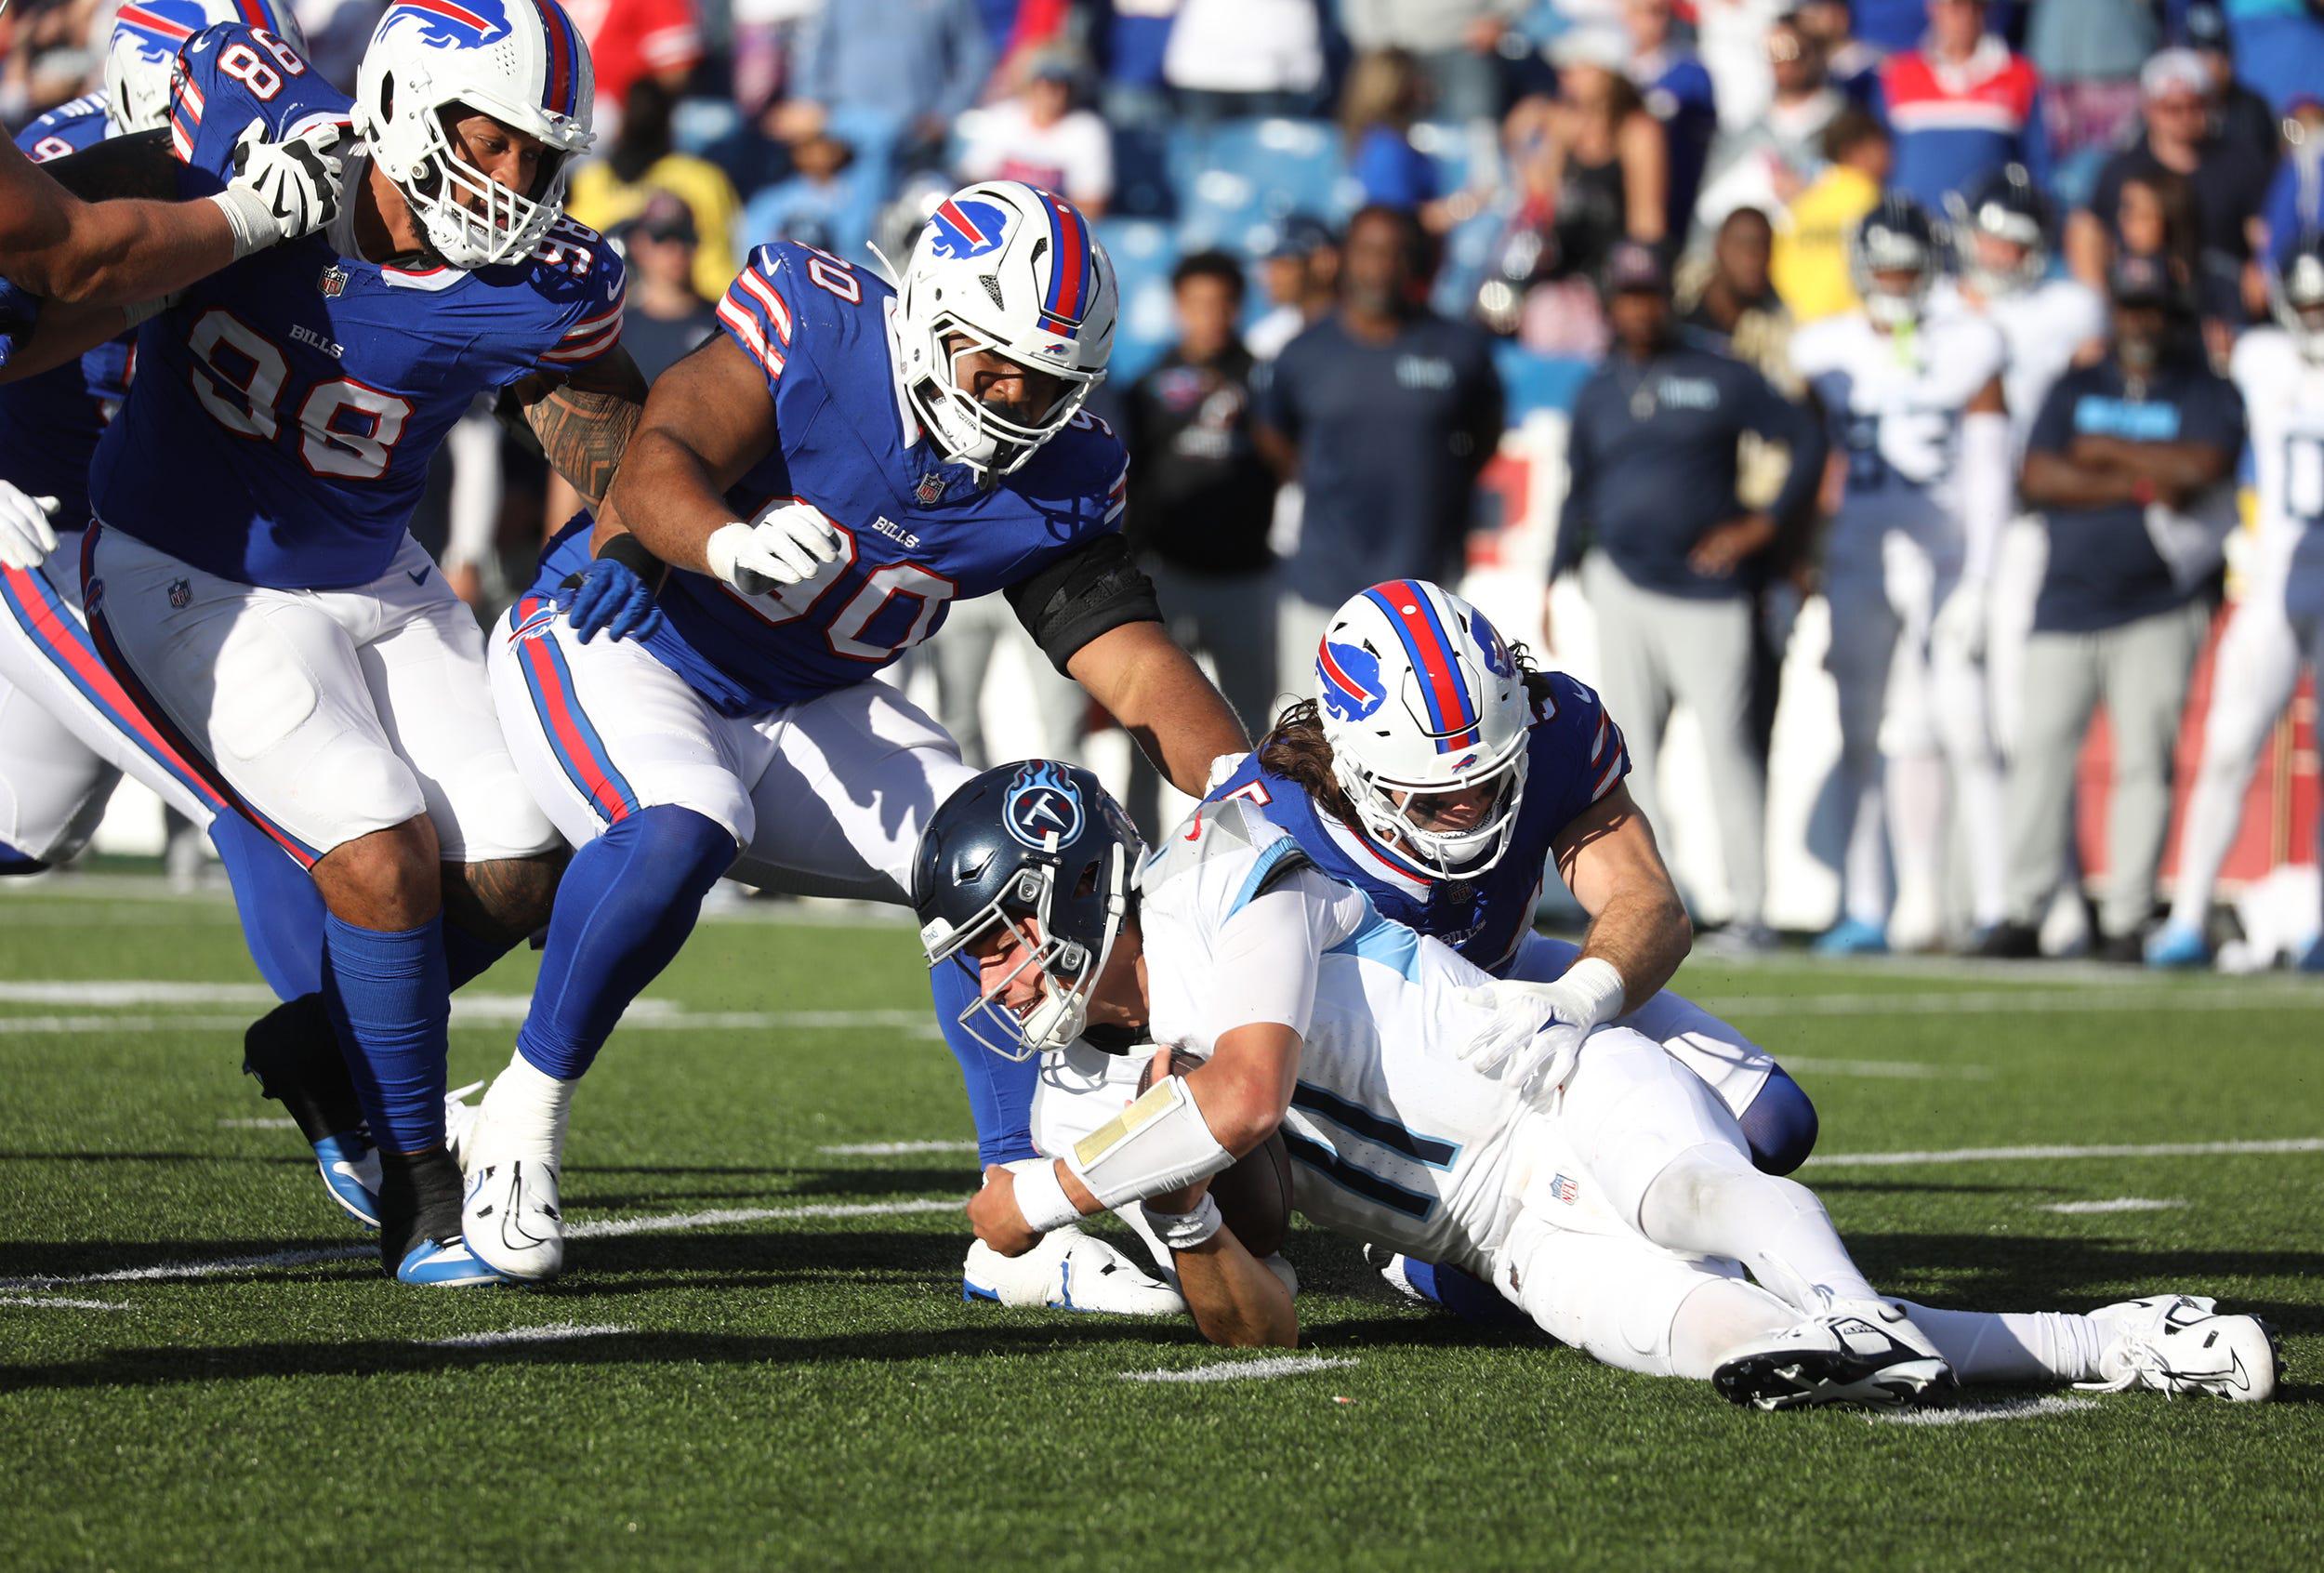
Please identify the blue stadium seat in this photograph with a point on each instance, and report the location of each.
(1536, 382)
(1144, 251)
(1237, 179)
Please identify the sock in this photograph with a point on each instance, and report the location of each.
(2215, 813)
(419, 1199)
(1463, 1295)
(281, 911)
(1864, 869)
(628, 902)
(1979, 798)
(15, 862)
(528, 1108)
(1780, 1124)
(1000, 1090)
(2017, 1346)
(1915, 790)
(1710, 1201)
(1712, 1320)
(388, 1001)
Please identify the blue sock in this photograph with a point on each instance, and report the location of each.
(281, 911)
(1780, 1125)
(1469, 1298)
(628, 902)
(390, 1002)
(1000, 1091)
(15, 862)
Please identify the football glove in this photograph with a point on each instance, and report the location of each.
(26, 537)
(789, 545)
(283, 189)
(609, 597)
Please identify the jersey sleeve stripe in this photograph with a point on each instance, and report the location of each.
(1597, 747)
(764, 292)
(587, 326)
(744, 328)
(572, 352)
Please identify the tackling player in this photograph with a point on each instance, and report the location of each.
(2279, 621)
(1594, 1181)
(249, 578)
(826, 478)
(1913, 392)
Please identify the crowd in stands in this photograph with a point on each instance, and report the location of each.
(1358, 240)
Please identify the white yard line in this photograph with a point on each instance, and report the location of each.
(278, 1122)
(2116, 1204)
(2014, 1155)
(554, 1332)
(894, 1149)
(1889, 1070)
(2042, 1002)
(52, 1302)
(1977, 1414)
(1241, 1370)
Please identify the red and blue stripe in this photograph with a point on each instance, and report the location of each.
(580, 751)
(1452, 718)
(1072, 273)
(563, 92)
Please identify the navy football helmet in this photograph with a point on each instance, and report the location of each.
(1034, 841)
(2005, 206)
(1897, 236)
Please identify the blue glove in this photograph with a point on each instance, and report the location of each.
(609, 597)
(19, 313)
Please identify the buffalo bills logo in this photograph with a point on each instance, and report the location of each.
(158, 29)
(1042, 801)
(456, 23)
(1488, 638)
(1352, 689)
(967, 229)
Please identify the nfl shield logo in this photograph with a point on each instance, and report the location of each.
(1564, 1190)
(180, 594)
(931, 486)
(333, 282)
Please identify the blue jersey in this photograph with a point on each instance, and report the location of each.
(1574, 755)
(286, 408)
(917, 534)
(49, 424)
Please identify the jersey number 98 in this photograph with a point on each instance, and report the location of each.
(240, 377)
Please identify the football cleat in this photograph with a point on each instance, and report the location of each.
(2172, 948)
(2176, 1343)
(1851, 936)
(446, 1263)
(1068, 1271)
(510, 1217)
(460, 1119)
(1865, 1353)
(350, 1165)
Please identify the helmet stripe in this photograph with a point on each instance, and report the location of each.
(558, 31)
(458, 13)
(1451, 721)
(255, 14)
(153, 22)
(1069, 270)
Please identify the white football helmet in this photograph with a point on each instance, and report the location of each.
(146, 38)
(1419, 695)
(520, 61)
(2296, 295)
(1014, 270)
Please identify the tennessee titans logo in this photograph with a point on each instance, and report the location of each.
(1042, 801)
(967, 229)
(1488, 639)
(458, 23)
(1352, 689)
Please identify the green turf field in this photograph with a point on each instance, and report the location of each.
(759, 1355)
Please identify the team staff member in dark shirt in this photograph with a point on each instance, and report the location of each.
(1199, 514)
(2120, 449)
(1675, 558)
(1385, 413)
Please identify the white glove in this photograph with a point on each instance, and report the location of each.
(1961, 622)
(26, 538)
(1590, 994)
(784, 546)
(283, 189)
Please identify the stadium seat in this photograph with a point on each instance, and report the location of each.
(1143, 250)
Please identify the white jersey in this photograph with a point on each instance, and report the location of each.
(1396, 1138)
(2043, 329)
(1894, 402)
(2283, 399)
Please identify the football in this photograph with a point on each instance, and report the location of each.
(1254, 1193)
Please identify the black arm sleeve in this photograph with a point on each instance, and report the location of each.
(138, 166)
(1094, 590)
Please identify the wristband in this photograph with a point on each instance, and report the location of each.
(1185, 1231)
(1591, 993)
(627, 551)
(1041, 1195)
(247, 218)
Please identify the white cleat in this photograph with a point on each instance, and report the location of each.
(508, 1213)
(1068, 1271)
(2176, 1343)
(1862, 1352)
(459, 1121)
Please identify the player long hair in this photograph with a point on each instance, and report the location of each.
(1296, 748)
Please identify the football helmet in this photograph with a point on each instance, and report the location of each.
(2005, 206)
(1419, 695)
(1897, 236)
(520, 61)
(143, 51)
(1036, 840)
(2295, 292)
(1014, 270)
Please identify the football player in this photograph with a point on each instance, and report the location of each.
(1424, 1103)
(826, 478)
(2279, 621)
(1912, 389)
(248, 578)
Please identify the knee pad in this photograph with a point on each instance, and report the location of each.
(1780, 1125)
(366, 786)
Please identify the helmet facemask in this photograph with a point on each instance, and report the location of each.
(968, 429)
(1069, 970)
(1396, 813)
(471, 220)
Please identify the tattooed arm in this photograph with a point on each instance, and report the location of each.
(583, 423)
(103, 227)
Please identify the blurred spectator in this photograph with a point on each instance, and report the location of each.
(1383, 97)
(2226, 185)
(1961, 106)
(1040, 137)
(1595, 157)
(1733, 306)
(1199, 514)
(1730, 35)
(1771, 160)
(633, 41)
(609, 190)
(1456, 42)
(1677, 92)
(1852, 66)
(2295, 206)
(1234, 57)
(1809, 265)
(1130, 38)
(2089, 52)
(1675, 558)
(1303, 277)
(2126, 456)
(667, 317)
(1385, 413)
(2242, 117)
(887, 77)
(823, 202)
